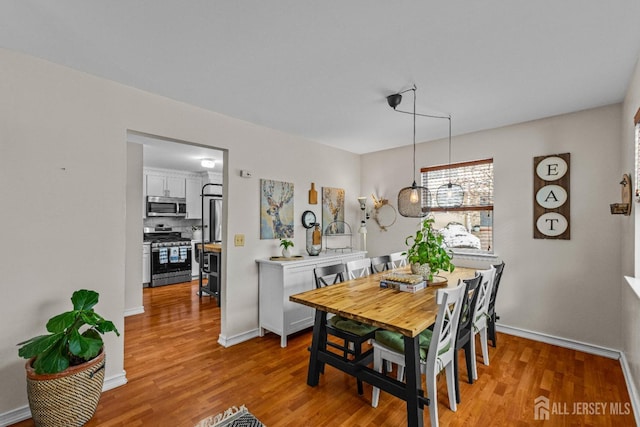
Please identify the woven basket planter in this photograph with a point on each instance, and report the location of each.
(68, 398)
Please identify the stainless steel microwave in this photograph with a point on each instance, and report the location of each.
(166, 206)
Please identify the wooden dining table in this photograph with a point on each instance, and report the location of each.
(365, 301)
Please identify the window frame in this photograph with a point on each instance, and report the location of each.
(424, 171)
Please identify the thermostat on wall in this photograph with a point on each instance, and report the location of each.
(246, 174)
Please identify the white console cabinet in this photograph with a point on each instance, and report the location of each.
(280, 279)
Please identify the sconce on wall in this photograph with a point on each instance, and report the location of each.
(623, 208)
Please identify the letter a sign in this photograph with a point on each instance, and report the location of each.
(551, 207)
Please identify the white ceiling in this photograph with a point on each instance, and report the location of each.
(322, 70)
(158, 152)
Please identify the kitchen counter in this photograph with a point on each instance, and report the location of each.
(210, 247)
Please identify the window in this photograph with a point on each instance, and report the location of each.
(468, 228)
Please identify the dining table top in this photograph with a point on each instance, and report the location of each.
(363, 300)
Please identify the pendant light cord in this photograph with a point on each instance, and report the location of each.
(449, 150)
(414, 136)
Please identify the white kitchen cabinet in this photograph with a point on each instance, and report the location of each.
(280, 279)
(194, 204)
(146, 263)
(165, 185)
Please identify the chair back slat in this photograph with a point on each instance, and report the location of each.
(469, 301)
(358, 268)
(445, 329)
(328, 275)
(380, 263)
(484, 292)
(398, 260)
(496, 283)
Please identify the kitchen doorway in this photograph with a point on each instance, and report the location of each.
(174, 169)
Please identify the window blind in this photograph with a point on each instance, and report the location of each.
(476, 179)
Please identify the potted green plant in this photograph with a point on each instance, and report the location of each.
(427, 254)
(286, 244)
(65, 370)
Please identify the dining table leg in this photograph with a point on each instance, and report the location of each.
(414, 381)
(318, 341)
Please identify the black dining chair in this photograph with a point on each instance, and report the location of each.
(463, 340)
(380, 263)
(352, 333)
(493, 317)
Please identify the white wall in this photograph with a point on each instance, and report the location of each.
(133, 257)
(63, 166)
(568, 289)
(630, 242)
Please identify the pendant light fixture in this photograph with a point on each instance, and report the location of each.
(450, 195)
(413, 201)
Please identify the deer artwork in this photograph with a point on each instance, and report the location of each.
(335, 207)
(276, 201)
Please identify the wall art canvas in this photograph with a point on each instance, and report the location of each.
(276, 209)
(333, 210)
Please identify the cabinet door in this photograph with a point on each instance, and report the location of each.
(175, 186)
(155, 185)
(194, 206)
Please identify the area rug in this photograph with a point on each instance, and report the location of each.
(232, 417)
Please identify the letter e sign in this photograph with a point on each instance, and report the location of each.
(551, 207)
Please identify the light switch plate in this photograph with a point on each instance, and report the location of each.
(239, 239)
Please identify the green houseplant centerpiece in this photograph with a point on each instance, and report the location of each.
(286, 244)
(65, 370)
(427, 253)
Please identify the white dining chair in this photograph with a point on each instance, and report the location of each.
(481, 316)
(437, 349)
(398, 260)
(358, 268)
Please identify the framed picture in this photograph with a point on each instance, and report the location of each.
(333, 210)
(276, 209)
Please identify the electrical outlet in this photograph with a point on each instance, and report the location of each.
(239, 240)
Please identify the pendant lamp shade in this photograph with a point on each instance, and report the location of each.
(414, 201)
(450, 196)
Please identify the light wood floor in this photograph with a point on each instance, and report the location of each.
(178, 374)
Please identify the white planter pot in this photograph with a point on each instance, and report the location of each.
(421, 269)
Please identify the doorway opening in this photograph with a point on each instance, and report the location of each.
(171, 170)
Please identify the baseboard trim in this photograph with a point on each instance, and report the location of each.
(237, 339)
(561, 342)
(23, 413)
(15, 416)
(631, 387)
(115, 381)
(134, 310)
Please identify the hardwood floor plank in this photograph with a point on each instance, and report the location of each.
(178, 374)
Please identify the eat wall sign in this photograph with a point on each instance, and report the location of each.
(551, 207)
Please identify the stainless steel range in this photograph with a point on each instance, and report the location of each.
(170, 256)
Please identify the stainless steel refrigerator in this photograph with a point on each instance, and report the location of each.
(215, 220)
